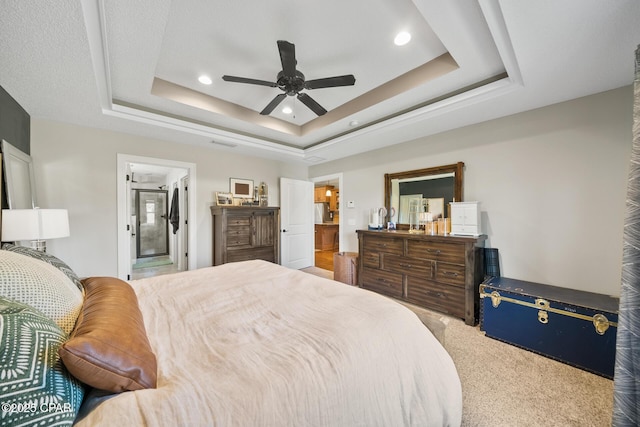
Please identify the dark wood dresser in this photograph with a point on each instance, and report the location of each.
(441, 273)
(242, 233)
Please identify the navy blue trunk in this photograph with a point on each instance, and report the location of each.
(575, 327)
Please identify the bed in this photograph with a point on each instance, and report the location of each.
(245, 344)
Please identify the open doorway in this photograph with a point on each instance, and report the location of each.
(154, 210)
(327, 219)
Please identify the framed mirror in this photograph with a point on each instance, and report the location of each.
(439, 185)
(18, 177)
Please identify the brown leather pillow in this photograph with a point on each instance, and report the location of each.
(109, 348)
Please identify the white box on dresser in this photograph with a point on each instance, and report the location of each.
(465, 219)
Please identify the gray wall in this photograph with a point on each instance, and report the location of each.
(14, 122)
(15, 128)
(551, 182)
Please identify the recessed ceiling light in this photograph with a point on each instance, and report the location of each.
(354, 123)
(402, 38)
(205, 80)
(287, 110)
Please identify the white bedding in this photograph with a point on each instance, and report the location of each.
(256, 344)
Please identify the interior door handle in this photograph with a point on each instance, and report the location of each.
(284, 231)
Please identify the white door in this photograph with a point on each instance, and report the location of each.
(296, 223)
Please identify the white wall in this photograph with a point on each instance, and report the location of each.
(75, 168)
(551, 182)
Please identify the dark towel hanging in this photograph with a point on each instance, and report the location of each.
(174, 213)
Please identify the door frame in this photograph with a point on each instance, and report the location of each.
(331, 177)
(122, 198)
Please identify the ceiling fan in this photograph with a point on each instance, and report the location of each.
(291, 81)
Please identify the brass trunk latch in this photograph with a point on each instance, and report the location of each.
(495, 299)
(543, 316)
(601, 323)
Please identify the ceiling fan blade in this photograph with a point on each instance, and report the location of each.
(346, 80)
(312, 104)
(287, 57)
(273, 104)
(249, 81)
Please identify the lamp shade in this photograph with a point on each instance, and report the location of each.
(34, 224)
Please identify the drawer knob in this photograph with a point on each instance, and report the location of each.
(405, 265)
(450, 273)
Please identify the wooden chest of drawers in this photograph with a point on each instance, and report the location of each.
(441, 273)
(242, 233)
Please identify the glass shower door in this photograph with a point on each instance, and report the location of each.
(152, 237)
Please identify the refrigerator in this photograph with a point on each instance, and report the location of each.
(321, 213)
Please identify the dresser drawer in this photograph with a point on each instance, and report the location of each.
(266, 253)
(383, 282)
(465, 229)
(450, 273)
(388, 245)
(238, 236)
(414, 266)
(448, 252)
(436, 296)
(371, 259)
(238, 221)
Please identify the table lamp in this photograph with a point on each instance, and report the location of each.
(36, 225)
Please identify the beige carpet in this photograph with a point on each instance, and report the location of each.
(503, 385)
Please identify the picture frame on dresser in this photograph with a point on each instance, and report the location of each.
(241, 188)
(224, 198)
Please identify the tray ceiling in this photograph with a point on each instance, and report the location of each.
(134, 66)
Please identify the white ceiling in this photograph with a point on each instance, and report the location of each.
(133, 66)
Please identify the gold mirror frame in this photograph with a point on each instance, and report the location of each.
(456, 169)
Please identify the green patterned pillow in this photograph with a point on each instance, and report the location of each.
(35, 387)
(42, 286)
(43, 256)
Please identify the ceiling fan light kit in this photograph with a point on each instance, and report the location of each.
(291, 81)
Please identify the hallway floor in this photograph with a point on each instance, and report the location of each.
(157, 266)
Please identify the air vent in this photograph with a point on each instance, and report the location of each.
(315, 159)
(225, 144)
